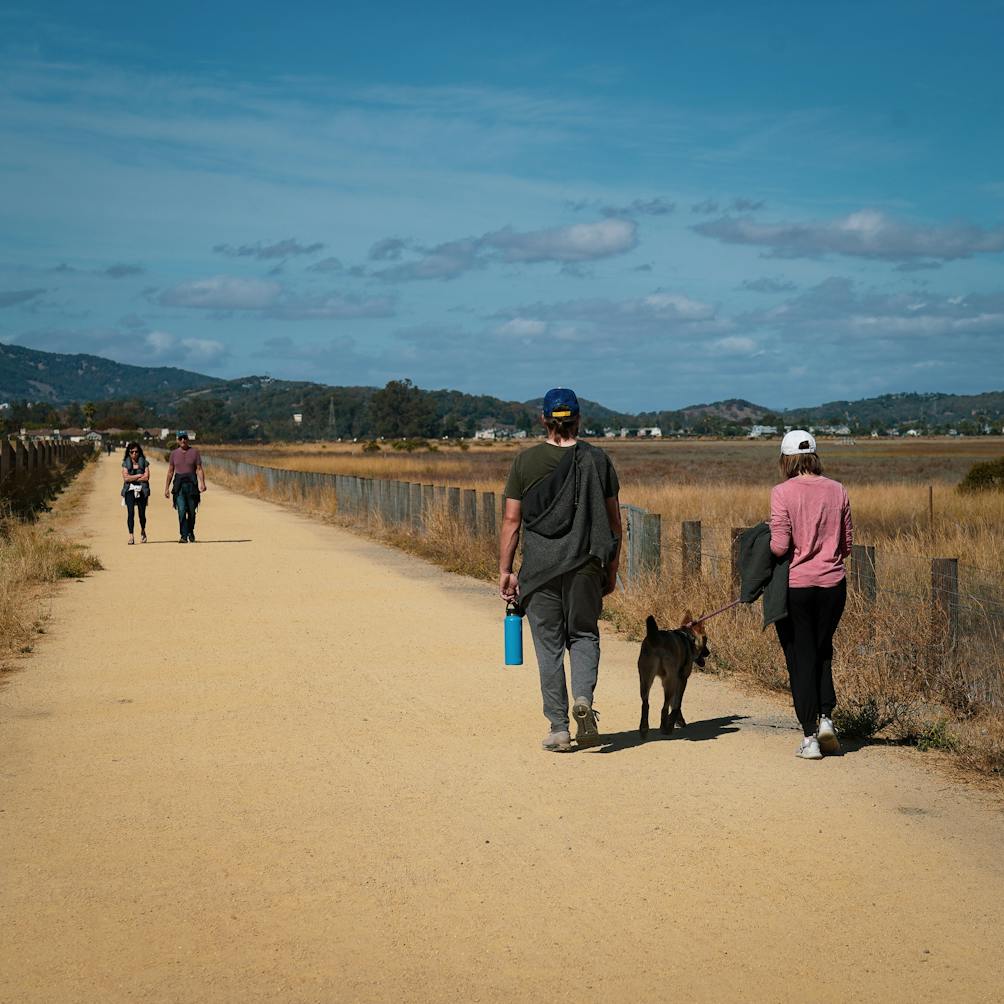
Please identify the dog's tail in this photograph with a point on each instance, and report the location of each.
(651, 628)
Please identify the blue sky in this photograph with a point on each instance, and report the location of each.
(657, 204)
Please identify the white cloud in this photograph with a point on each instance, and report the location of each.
(522, 327)
(569, 245)
(737, 344)
(163, 347)
(222, 292)
(864, 234)
(675, 305)
(579, 242)
(330, 307)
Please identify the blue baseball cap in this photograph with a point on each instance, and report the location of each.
(182, 434)
(560, 402)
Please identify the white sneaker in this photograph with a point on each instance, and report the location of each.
(809, 750)
(558, 742)
(827, 734)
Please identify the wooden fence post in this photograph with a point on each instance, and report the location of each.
(428, 503)
(470, 508)
(415, 506)
(488, 510)
(649, 542)
(402, 502)
(626, 569)
(736, 578)
(7, 459)
(690, 549)
(945, 598)
(21, 461)
(863, 571)
(453, 503)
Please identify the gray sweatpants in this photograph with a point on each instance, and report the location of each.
(562, 614)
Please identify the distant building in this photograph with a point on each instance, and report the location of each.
(297, 418)
(756, 431)
(653, 432)
(491, 432)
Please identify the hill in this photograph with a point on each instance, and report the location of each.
(58, 378)
(262, 407)
(922, 410)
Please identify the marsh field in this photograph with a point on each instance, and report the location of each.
(899, 678)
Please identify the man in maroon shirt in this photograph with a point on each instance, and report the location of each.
(186, 480)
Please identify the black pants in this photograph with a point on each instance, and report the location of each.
(134, 505)
(806, 635)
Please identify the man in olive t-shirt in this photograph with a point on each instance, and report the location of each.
(564, 612)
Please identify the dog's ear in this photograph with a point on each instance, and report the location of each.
(698, 628)
(687, 618)
(651, 627)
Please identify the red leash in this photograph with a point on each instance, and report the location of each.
(708, 617)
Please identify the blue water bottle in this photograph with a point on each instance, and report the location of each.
(513, 636)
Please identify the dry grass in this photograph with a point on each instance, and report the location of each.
(34, 556)
(893, 672)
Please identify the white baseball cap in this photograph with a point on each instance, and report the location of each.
(797, 441)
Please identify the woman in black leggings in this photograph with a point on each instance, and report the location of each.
(136, 489)
(810, 522)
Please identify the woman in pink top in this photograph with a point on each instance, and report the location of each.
(810, 522)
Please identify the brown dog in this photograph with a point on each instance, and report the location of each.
(671, 655)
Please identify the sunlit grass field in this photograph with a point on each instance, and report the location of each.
(891, 483)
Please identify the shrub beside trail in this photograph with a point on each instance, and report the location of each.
(34, 556)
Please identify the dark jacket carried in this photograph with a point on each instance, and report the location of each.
(761, 572)
(565, 521)
(186, 486)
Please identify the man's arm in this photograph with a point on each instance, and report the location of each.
(614, 516)
(201, 475)
(170, 474)
(508, 541)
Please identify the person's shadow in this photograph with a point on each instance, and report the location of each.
(174, 540)
(711, 728)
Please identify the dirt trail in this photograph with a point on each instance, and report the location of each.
(286, 764)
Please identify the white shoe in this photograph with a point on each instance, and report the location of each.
(558, 742)
(809, 750)
(827, 734)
